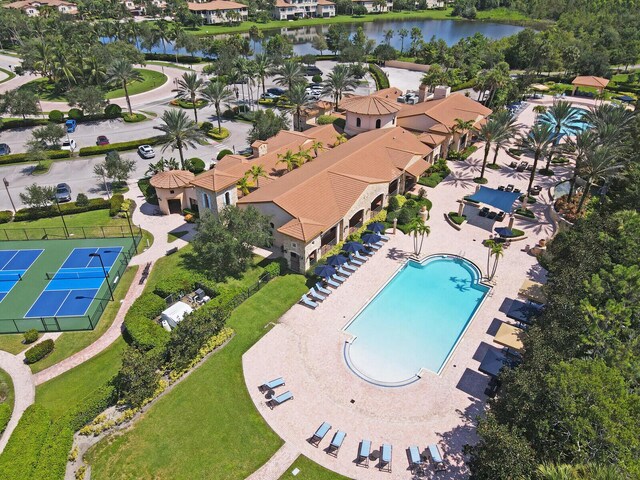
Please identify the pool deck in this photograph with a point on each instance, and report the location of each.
(306, 346)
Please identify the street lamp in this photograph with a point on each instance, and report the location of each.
(104, 270)
(6, 185)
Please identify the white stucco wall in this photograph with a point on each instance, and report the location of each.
(367, 122)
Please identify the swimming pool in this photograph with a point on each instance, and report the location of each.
(415, 321)
(571, 129)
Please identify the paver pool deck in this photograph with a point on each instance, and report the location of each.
(306, 346)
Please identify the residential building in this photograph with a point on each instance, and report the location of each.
(138, 8)
(174, 191)
(372, 6)
(219, 11)
(32, 8)
(369, 113)
(290, 9)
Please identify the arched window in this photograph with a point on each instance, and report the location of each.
(378, 123)
(358, 122)
(227, 198)
(207, 202)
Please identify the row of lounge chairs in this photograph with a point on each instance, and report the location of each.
(276, 400)
(417, 462)
(509, 188)
(522, 166)
(490, 214)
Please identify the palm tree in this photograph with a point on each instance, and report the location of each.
(509, 127)
(496, 250)
(263, 66)
(402, 33)
(289, 73)
(609, 114)
(243, 185)
(317, 146)
(418, 228)
(601, 163)
(488, 133)
(339, 81)
(217, 93)
(188, 88)
(290, 159)
(298, 99)
(303, 156)
(121, 71)
(539, 110)
(460, 126)
(255, 172)
(340, 139)
(537, 141)
(579, 146)
(180, 132)
(562, 116)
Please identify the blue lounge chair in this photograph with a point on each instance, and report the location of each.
(348, 267)
(436, 458)
(414, 458)
(363, 454)
(338, 278)
(315, 295)
(355, 261)
(322, 290)
(336, 443)
(280, 399)
(345, 273)
(376, 246)
(308, 302)
(361, 257)
(319, 434)
(385, 458)
(384, 237)
(275, 383)
(332, 283)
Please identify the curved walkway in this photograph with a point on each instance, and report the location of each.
(24, 389)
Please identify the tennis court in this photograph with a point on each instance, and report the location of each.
(59, 285)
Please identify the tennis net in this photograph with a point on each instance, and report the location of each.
(62, 275)
(10, 277)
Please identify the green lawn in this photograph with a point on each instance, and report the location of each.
(12, 343)
(151, 79)
(71, 342)
(169, 64)
(502, 14)
(207, 427)
(9, 74)
(310, 470)
(6, 389)
(173, 236)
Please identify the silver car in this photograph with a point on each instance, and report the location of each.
(145, 151)
(63, 192)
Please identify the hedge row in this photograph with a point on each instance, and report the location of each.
(24, 157)
(39, 351)
(116, 204)
(382, 81)
(66, 208)
(6, 216)
(91, 406)
(118, 146)
(52, 459)
(167, 57)
(139, 326)
(5, 415)
(20, 123)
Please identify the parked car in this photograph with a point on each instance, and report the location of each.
(63, 192)
(278, 92)
(269, 96)
(4, 149)
(315, 86)
(313, 94)
(145, 151)
(69, 145)
(70, 125)
(102, 140)
(313, 70)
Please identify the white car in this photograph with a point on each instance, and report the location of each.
(313, 94)
(145, 151)
(69, 145)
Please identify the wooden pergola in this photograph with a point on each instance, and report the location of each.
(598, 83)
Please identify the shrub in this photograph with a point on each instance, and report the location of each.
(91, 406)
(119, 146)
(228, 114)
(52, 458)
(56, 116)
(66, 208)
(76, 114)
(223, 153)
(22, 123)
(218, 134)
(113, 110)
(82, 200)
(340, 122)
(148, 191)
(133, 117)
(379, 76)
(206, 126)
(525, 213)
(39, 351)
(31, 336)
(5, 415)
(406, 215)
(147, 305)
(116, 204)
(430, 181)
(144, 333)
(196, 165)
(5, 216)
(396, 202)
(457, 219)
(178, 102)
(24, 157)
(326, 119)
(179, 281)
(273, 269)
(316, 78)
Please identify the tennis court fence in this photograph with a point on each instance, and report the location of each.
(60, 233)
(68, 324)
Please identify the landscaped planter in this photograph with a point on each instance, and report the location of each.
(524, 217)
(452, 223)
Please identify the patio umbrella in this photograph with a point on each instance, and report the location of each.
(369, 238)
(325, 271)
(353, 247)
(625, 98)
(504, 232)
(539, 87)
(336, 260)
(376, 227)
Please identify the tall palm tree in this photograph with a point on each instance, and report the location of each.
(609, 114)
(121, 71)
(488, 133)
(460, 126)
(255, 172)
(304, 156)
(402, 33)
(582, 143)
(243, 185)
(601, 163)
(495, 251)
(509, 127)
(188, 88)
(417, 228)
(317, 146)
(217, 93)
(339, 81)
(263, 68)
(290, 159)
(298, 99)
(562, 116)
(180, 132)
(537, 141)
(289, 73)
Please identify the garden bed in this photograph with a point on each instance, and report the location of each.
(455, 220)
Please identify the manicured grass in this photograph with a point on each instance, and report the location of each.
(169, 64)
(173, 236)
(310, 470)
(502, 14)
(6, 390)
(9, 74)
(67, 391)
(42, 167)
(71, 342)
(207, 427)
(12, 343)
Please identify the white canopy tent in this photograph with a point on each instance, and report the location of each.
(174, 315)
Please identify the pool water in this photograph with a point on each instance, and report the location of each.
(415, 321)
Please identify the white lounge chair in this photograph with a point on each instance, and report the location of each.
(348, 267)
(332, 283)
(362, 258)
(345, 273)
(436, 458)
(308, 302)
(338, 278)
(415, 458)
(316, 296)
(354, 260)
(322, 290)
(363, 454)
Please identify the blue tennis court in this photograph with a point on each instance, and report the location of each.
(76, 284)
(14, 264)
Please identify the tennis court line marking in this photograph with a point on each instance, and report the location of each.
(62, 267)
(62, 303)
(6, 294)
(9, 261)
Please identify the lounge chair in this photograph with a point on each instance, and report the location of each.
(344, 272)
(484, 212)
(322, 290)
(362, 258)
(522, 167)
(332, 283)
(529, 167)
(280, 399)
(385, 458)
(337, 278)
(501, 188)
(336, 443)
(436, 458)
(500, 216)
(414, 458)
(349, 267)
(320, 433)
(516, 190)
(316, 295)
(353, 260)
(513, 164)
(509, 188)
(306, 301)
(363, 454)
(492, 215)
(271, 385)
(375, 246)
(535, 190)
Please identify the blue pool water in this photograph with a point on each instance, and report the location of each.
(415, 321)
(575, 127)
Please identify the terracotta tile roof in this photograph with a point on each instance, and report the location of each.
(282, 4)
(369, 105)
(325, 2)
(391, 93)
(431, 138)
(590, 81)
(172, 179)
(215, 5)
(446, 110)
(418, 168)
(321, 192)
(36, 3)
